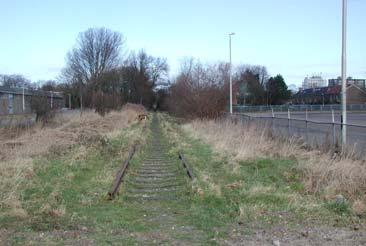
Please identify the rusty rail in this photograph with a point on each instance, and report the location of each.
(189, 172)
(117, 181)
(121, 172)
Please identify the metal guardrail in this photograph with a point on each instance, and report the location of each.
(300, 107)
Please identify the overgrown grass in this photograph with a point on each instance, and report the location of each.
(69, 193)
(323, 174)
(255, 191)
(20, 147)
(66, 199)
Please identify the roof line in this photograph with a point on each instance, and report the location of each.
(357, 87)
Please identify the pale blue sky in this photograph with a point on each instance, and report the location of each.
(292, 37)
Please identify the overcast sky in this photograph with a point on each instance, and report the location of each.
(292, 37)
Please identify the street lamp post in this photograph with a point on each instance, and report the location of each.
(344, 73)
(231, 79)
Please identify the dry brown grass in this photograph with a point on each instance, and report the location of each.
(323, 173)
(248, 142)
(18, 147)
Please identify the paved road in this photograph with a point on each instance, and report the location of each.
(320, 134)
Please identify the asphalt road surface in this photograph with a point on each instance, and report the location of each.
(321, 132)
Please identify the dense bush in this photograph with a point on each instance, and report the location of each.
(200, 91)
(42, 108)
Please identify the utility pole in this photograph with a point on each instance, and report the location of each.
(344, 73)
(231, 79)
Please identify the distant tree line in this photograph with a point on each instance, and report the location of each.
(199, 90)
(203, 90)
(16, 81)
(255, 87)
(102, 75)
(99, 77)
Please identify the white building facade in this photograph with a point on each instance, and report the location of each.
(314, 82)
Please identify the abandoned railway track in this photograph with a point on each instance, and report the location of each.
(158, 177)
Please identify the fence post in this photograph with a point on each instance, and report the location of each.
(289, 125)
(273, 121)
(306, 126)
(51, 100)
(334, 134)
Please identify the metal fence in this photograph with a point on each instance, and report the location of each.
(315, 133)
(300, 107)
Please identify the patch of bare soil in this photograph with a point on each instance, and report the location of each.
(4, 236)
(300, 235)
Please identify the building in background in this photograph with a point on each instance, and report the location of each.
(350, 81)
(11, 100)
(315, 81)
(330, 95)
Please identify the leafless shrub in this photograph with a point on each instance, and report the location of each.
(101, 103)
(42, 108)
(199, 90)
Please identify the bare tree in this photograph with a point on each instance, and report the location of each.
(48, 85)
(141, 73)
(249, 87)
(153, 68)
(199, 90)
(258, 70)
(251, 81)
(97, 51)
(15, 80)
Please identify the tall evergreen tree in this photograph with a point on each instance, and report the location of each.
(277, 90)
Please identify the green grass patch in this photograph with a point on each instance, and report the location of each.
(262, 192)
(69, 192)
